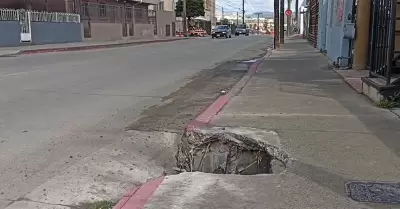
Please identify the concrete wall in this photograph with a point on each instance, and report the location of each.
(169, 5)
(164, 18)
(52, 33)
(106, 31)
(143, 30)
(10, 33)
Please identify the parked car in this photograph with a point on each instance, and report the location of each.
(221, 31)
(242, 30)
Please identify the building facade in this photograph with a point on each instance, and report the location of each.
(360, 35)
(104, 20)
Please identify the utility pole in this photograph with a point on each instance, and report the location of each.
(237, 18)
(222, 13)
(184, 19)
(276, 24)
(289, 19)
(258, 22)
(243, 12)
(282, 22)
(297, 16)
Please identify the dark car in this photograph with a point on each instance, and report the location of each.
(242, 30)
(221, 31)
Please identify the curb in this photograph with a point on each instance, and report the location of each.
(11, 54)
(206, 117)
(137, 198)
(90, 47)
(348, 80)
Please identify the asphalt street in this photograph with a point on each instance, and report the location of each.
(57, 109)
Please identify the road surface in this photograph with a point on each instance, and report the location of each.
(58, 109)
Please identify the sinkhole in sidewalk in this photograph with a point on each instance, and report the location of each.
(241, 151)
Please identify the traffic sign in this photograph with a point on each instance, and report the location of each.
(288, 12)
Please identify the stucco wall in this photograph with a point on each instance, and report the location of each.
(143, 31)
(52, 33)
(10, 34)
(106, 31)
(164, 18)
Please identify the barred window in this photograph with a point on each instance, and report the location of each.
(85, 9)
(103, 10)
(161, 5)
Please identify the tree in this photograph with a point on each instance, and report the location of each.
(225, 22)
(194, 8)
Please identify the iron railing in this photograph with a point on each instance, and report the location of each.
(54, 17)
(35, 16)
(382, 40)
(115, 13)
(9, 15)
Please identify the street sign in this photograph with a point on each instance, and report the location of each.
(288, 12)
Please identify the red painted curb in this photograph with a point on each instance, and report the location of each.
(205, 117)
(92, 47)
(138, 197)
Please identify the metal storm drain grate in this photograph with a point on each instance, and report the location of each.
(374, 192)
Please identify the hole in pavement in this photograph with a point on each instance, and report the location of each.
(231, 151)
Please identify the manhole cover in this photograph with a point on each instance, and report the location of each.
(374, 192)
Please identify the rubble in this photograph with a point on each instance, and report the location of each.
(222, 150)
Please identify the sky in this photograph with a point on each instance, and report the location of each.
(251, 6)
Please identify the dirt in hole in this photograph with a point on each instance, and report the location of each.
(241, 151)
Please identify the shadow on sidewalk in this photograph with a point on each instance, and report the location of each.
(334, 133)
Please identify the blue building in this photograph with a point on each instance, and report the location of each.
(336, 29)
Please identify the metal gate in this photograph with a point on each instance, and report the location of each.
(25, 22)
(382, 39)
(313, 24)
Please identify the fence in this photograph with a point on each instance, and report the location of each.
(115, 13)
(35, 16)
(38, 27)
(382, 40)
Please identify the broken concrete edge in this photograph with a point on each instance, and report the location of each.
(89, 47)
(204, 118)
(139, 196)
(134, 198)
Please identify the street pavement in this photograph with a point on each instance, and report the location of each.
(76, 46)
(62, 116)
(333, 135)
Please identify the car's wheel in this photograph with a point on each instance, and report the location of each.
(230, 36)
(212, 37)
(247, 34)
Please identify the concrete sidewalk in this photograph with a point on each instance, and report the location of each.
(333, 135)
(86, 45)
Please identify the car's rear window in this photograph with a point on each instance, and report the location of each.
(221, 27)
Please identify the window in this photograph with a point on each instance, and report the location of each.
(85, 9)
(103, 10)
(161, 5)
